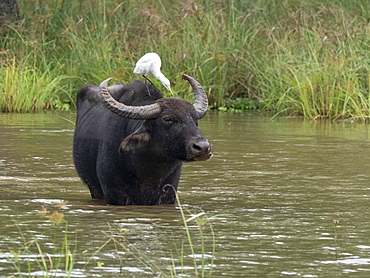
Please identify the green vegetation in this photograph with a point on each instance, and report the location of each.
(290, 57)
(202, 221)
(53, 253)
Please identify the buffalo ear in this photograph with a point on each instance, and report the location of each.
(134, 141)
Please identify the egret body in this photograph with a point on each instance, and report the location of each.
(150, 64)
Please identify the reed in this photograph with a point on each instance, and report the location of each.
(289, 57)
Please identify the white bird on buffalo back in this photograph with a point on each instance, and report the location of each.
(150, 64)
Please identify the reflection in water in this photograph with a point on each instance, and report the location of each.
(276, 186)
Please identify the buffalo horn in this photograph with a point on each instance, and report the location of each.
(133, 112)
(201, 100)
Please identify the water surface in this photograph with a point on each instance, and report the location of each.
(275, 187)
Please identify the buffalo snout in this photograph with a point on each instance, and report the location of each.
(200, 150)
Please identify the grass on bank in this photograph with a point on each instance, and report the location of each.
(290, 57)
(29, 89)
(56, 253)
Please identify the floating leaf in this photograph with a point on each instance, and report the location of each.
(100, 264)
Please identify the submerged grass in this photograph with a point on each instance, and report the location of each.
(290, 57)
(202, 221)
(31, 260)
(56, 254)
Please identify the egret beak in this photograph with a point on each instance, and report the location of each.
(169, 89)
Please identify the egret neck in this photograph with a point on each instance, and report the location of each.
(166, 83)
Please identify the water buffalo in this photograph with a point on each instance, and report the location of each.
(130, 142)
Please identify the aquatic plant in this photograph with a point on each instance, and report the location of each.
(288, 57)
(33, 256)
(202, 221)
(183, 251)
(336, 232)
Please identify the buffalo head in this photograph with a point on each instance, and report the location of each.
(171, 124)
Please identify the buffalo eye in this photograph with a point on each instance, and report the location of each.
(167, 119)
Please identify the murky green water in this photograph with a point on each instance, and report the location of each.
(275, 188)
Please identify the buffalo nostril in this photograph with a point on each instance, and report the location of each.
(201, 147)
(197, 148)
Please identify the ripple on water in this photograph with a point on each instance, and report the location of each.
(271, 193)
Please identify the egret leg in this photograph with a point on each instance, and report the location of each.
(147, 88)
(148, 80)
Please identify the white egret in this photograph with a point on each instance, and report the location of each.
(150, 64)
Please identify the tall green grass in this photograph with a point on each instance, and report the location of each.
(290, 57)
(28, 88)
